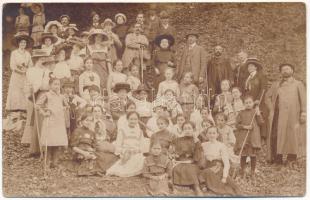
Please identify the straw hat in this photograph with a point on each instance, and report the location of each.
(22, 36)
(50, 24)
(286, 64)
(38, 53)
(94, 32)
(107, 21)
(192, 33)
(121, 15)
(255, 62)
(49, 35)
(121, 86)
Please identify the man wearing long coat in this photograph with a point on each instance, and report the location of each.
(193, 59)
(286, 100)
(219, 68)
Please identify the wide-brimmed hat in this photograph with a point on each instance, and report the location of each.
(168, 37)
(36, 4)
(121, 86)
(142, 87)
(39, 53)
(107, 21)
(255, 62)
(286, 64)
(76, 41)
(192, 33)
(62, 16)
(84, 33)
(22, 36)
(72, 26)
(94, 32)
(121, 15)
(53, 38)
(50, 24)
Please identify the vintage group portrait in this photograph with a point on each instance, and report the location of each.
(154, 99)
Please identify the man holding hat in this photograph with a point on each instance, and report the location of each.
(193, 59)
(286, 100)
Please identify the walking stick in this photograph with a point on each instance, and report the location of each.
(247, 133)
(141, 61)
(45, 154)
(37, 125)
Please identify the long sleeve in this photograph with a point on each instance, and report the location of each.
(302, 97)
(130, 42)
(82, 102)
(13, 63)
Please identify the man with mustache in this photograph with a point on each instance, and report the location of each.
(219, 68)
(286, 100)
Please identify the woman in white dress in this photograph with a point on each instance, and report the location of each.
(20, 60)
(129, 146)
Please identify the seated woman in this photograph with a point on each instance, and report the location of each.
(83, 144)
(185, 171)
(216, 166)
(129, 145)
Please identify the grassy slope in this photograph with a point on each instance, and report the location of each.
(274, 33)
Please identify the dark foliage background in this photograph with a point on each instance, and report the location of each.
(272, 32)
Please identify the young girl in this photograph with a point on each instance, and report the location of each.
(53, 130)
(71, 31)
(203, 132)
(185, 171)
(244, 126)
(48, 42)
(62, 69)
(133, 77)
(226, 133)
(88, 78)
(163, 57)
(75, 103)
(223, 100)
(188, 93)
(94, 96)
(100, 114)
(204, 116)
(237, 106)
(129, 144)
(54, 27)
(177, 128)
(173, 107)
(216, 163)
(160, 109)
(144, 107)
(37, 23)
(116, 76)
(158, 170)
(122, 121)
(164, 136)
(169, 83)
(83, 144)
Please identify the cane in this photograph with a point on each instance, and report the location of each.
(45, 155)
(141, 60)
(247, 133)
(37, 125)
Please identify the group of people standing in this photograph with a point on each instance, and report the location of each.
(117, 96)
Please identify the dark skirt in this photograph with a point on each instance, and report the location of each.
(185, 174)
(248, 150)
(213, 180)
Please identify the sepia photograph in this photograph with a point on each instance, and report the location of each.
(146, 99)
